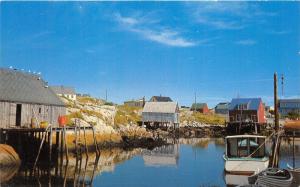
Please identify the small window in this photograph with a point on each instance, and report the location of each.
(40, 110)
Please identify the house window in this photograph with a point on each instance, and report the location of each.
(40, 110)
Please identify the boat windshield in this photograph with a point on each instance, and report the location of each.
(244, 147)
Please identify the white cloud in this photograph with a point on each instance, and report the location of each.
(149, 29)
(279, 32)
(246, 42)
(227, 15)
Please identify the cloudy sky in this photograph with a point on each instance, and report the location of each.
(219, 50)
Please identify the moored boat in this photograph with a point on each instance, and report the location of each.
(245, 154)
(273, 177)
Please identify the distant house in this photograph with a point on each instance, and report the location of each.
(135, 103)
(68, 92)
(222, 108)
(162, 113)
(246, 110)
(160, 99)
(25, 97)
(200, 107)
(287, 106)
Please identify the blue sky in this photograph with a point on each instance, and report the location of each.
(219, 50)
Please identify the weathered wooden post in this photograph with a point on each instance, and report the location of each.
(57, 140)
(85, 144)
(294, 149)
(50, 145)
(275, 150)
(66, 144)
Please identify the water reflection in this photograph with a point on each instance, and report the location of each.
(166, 155)
(185, 162)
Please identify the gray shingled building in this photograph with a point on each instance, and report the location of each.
(25, 97)
(165, 113)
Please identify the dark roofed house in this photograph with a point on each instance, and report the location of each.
(68, 92)
(24, 97)
(222, 108)
(200, 107)
(160, 99)
(246, 110)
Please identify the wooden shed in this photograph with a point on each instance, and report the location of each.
(25, 98)
(161, 112)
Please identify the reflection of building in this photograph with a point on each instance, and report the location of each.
(162, 156)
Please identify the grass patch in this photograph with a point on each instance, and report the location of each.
(89, 100)
(73, 115)
(204, 118)
(127, 114)
(92, 113)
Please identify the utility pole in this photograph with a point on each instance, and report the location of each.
(282, 79)
(276, 103)
(106, 95)
(276, 140)
(195, 101)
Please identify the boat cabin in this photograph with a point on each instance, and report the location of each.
(245, 146)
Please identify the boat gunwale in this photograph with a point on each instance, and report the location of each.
(263, 159)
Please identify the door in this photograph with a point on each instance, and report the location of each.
(18, 115)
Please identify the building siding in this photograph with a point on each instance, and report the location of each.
(49, 113)
(160, 117)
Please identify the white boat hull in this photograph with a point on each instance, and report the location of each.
(245, 166)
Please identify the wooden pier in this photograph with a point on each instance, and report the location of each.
(30, 143)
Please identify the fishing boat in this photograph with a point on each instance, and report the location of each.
(296, 174)
(245, 154)
(272, 177)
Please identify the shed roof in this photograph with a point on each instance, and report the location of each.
(198, 105)
(63, 90)
(289, 100)
(252, 103)
(161, 99)
(223, 105)
(160, 107)
(23, 87)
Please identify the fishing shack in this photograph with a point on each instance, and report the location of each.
(161, 114)
(26, 99)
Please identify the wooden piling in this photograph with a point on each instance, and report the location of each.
(62, 141)
(66, 144)
(85, 144)
(50, 145)
(41, 145)
(294, 149)
(76, 140)
(57, 140)
(95, 141)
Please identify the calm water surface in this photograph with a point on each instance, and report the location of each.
(187, 162)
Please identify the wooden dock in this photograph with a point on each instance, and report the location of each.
(40, 140)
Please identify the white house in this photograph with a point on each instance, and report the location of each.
(68, 92)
